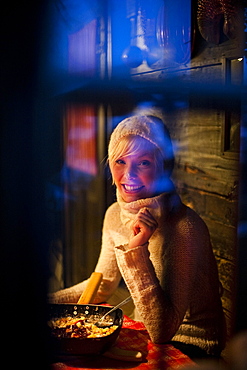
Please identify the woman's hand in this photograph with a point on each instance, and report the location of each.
(143, 228)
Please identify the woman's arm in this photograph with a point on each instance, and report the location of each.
(163, 309)
(68, 295)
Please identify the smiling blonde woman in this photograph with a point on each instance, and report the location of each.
(158, 246)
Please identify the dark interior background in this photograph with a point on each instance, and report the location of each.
(210, 177)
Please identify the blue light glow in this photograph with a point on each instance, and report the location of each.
(89, 38)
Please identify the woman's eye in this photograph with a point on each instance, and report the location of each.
(120, 161)
(145, 163)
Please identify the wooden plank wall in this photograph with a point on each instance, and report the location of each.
(207, 182)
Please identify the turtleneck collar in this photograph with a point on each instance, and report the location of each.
(159, 206)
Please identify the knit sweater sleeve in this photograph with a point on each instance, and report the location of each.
(162, 305)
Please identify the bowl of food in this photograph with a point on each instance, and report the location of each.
(74, 331)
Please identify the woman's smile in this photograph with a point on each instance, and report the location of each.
(132, 188)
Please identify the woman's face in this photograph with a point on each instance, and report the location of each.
(136, 175)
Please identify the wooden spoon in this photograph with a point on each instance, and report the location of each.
(91, 288)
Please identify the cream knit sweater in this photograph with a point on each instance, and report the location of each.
(173, 279)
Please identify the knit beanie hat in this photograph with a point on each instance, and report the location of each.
(148, 127)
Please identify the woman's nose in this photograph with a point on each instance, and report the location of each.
(130, 172)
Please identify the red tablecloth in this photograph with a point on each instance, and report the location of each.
(134, 337)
